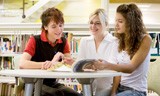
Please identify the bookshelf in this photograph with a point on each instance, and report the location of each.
(6, 61)
(7, 84)
(16, 31)
(155, 47)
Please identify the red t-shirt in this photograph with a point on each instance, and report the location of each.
(31, 45)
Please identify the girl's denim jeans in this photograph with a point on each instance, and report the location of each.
(127, 91)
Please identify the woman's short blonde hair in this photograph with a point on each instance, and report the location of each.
(102, 16)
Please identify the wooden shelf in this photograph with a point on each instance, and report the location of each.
(31, 28)
(11, 54)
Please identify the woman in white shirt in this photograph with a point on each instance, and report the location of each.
(100, 45)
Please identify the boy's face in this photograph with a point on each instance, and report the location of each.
(54, 30)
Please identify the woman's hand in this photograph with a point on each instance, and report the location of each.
(68, 60)
(57, 57)
(91, 66)
(97, 65)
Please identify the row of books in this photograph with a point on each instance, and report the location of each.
(77, 87)
(7, 86)
(6, 89)
(155, 47)
(17, 43)
(6, 63)
(72, 83)
(13, 43)
(73, 41)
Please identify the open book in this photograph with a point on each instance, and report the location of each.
(76, 67)
(60, 66)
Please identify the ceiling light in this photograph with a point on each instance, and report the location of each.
(1, 7)
(144, 6)
(10, 13)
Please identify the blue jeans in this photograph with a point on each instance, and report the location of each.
(127, 91)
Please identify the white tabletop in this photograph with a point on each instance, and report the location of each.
(31, 73)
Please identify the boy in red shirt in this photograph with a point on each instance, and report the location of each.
(43, 51)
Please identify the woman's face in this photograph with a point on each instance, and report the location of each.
(120, 23)
(54, 30)
(95, 25)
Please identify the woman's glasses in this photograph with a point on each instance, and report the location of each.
(95, 23)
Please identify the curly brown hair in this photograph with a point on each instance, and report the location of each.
(51, 14)
(135, 29)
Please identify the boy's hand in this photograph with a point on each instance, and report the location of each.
(57, 57)
(46, 65)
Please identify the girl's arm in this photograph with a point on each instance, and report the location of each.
(136, 61)
(116, 82)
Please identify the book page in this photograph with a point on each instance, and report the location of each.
(60, 66)
(63, 68)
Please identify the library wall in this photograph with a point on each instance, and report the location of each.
(13, 38)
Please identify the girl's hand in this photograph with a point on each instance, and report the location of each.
(99, 65)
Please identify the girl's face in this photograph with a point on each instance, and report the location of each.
(120, 23)
(54, 30)
(95, 25)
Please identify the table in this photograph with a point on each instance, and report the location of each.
(31, 76)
